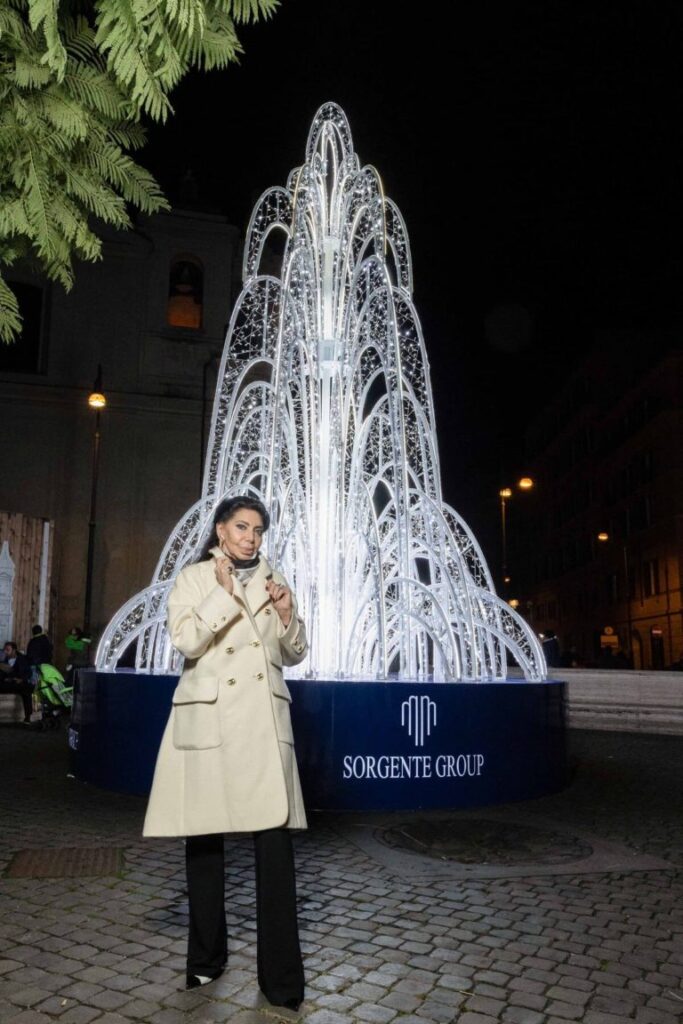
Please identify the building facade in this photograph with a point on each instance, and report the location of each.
(153, 315)
(600, 552)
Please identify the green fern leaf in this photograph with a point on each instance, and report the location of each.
(13, 220)
(37, 202)
(248, 10)
(128, 136)
(135, 183)
(79, 41)
(29, 75)
(10, 320)
(43, 15)
(94, 90)
(65, 114)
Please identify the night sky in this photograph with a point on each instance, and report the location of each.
(536, 153)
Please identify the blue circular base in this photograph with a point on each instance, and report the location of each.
(360, 746)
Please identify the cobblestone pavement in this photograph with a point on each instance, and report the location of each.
(560, 942)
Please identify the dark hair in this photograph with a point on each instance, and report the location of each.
(36, 630)
(225, 510)
(12, 644)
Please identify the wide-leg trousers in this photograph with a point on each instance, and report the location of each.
(279, 963)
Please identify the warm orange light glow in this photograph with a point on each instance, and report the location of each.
(514, 603)
(506, 492)
(525, 484)
(97, 400)
(506, 579)
(603, 535)
(183, 311)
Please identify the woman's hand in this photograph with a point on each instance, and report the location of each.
(281, 596)
(224, 570)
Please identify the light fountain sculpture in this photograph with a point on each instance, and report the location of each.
(324, 411)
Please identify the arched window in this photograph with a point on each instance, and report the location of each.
(185, 293)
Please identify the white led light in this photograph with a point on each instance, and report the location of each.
(324, 411)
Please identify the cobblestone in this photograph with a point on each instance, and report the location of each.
(600, 948)
(374, 1013)
(518, 1015)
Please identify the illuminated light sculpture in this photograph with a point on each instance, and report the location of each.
(324, 411)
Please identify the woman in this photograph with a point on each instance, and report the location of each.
(226, 761)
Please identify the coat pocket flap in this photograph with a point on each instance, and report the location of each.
(196, 690)
(277, 684)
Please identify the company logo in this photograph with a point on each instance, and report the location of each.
(418, 715)
(418, 718)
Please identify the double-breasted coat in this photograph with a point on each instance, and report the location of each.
(226, 761)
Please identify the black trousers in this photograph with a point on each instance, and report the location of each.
(280, 968)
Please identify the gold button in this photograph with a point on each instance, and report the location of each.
(267, 611)
(229, 650)
(231, 682)
(259, 675)
(254, 643)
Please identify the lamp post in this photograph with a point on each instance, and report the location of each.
(524, 484)
(604, 537)
(96, 401)
(504, 494)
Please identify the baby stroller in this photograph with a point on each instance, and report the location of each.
(54, 695)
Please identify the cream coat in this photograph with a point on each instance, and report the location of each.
(226, 761)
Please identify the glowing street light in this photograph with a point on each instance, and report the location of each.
(603, 536)
(524, 484)
(504, 495)
(96, 401)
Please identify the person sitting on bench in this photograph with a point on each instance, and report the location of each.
(17, 678)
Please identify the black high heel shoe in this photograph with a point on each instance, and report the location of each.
(198, 980)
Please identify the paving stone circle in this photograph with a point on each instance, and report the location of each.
(481, 840)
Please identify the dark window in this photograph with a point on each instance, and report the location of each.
(25, 355)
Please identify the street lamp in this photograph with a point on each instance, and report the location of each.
(96, 401)
(604, 537)
(504, 494)
(524, 484)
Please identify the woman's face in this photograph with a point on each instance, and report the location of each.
(242, 534)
